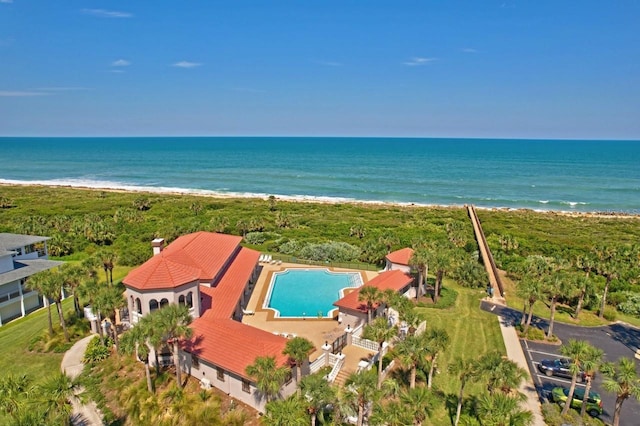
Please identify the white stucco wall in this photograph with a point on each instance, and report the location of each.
(172, 296)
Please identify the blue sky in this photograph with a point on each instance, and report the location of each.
(528, 69)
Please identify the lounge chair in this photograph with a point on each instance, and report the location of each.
(267, 259)
(246, 312)
(262, 256)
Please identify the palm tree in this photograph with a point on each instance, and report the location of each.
(442, 260)
(419, 402)
(393, 413)
(554, 285)
(465, 370)
(420, 261)
(380, 332)
(110, 299)
(606, 266)
(588, 264)
(530, 288)
(54, 291)
(14, 390)
(503, 410)
(500, 374)
(298, 350)
(410, 353)
(134, 341)
(576, 351)
(56, 392)
(437, 340)
(317, 393)
(590, 364)
(369, 295)
(621, 379)
(174, 322)
(40, 283)
(268, 376)
(283, 412)
(362, 386)
(388, 239)
(107, 259)
(73, 275)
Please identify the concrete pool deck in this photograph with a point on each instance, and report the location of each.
(318, 331)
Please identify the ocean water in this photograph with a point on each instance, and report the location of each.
(577, 175)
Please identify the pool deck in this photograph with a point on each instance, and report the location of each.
(318, 331)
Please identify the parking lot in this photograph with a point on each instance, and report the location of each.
(616, 341)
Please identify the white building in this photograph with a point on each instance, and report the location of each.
(20, 257)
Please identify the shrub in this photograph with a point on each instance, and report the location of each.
(96, 351)
(610, 314)
(630, 305)
(534, 333)
(255, 238)
(333, 251)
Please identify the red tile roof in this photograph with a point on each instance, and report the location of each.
(395, 280)
(400, 257)
(228, 292)
(201, 255)
(232, 345)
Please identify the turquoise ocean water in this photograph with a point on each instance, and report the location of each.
(585, 176)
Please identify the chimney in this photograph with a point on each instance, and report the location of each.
(158, 245)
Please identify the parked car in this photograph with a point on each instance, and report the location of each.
(559, 367)
(594, 403)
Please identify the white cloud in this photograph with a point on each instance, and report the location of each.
(120, 63)
(19, 94)
(419, 61)
(103, 13)
(116, 71)
(469, 50)
(186, 64)
(6, 1)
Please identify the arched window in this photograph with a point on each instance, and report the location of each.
(163, 303)
(181, 300)
(138, 307)
(190, 299)
(153, 305)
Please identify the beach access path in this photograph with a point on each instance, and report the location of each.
(72, 365)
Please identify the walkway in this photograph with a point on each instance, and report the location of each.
(88, 414)
(516, 354)
(485, 253)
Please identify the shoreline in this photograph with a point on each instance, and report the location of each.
(316, 200)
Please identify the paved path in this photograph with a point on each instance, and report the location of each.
(83, 414)
(516, 354)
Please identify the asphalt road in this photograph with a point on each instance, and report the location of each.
(617, 340)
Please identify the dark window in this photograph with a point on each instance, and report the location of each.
(163, 303)
(195, 362)
(138, 306)
(181, 299)
(246, 386)
(153, 305)
(220, 372)
(190, 299)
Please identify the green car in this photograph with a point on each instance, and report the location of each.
(594, 403)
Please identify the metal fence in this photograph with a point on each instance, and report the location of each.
(344, 265)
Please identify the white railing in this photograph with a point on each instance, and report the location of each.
(364, 343)
(316, 365)
(357, 332)
(335, 370)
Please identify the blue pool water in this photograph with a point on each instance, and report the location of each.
(302, 293)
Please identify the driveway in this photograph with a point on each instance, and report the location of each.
(616, 340)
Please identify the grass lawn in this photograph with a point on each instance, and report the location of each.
(472, 332)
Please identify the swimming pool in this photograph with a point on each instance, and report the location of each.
(307, 293)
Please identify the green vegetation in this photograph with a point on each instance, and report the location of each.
(589, 267)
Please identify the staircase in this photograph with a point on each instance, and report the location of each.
(342, 377)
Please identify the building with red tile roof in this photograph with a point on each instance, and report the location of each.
(400, 260)
(354, 311)
(213, 275)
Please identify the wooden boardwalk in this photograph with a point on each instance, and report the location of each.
(485, 253)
